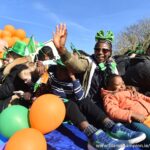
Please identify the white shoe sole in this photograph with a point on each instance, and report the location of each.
(138, 139)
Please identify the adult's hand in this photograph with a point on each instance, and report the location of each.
(59, 38)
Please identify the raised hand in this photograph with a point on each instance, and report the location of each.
(59, 37)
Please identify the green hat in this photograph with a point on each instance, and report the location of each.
(19, 48)
(140, 51)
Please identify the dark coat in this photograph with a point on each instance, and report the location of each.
(12, 83)
(123, 62)
(138, 73)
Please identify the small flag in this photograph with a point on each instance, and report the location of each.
(31, 47)
(3, 55)
(74, 49)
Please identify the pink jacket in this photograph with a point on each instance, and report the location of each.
(120, 105)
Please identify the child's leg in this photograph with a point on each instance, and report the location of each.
(76, 117)
(97, 138)
(137, 126)
(95, 114)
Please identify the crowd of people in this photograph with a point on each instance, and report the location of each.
(92, 87)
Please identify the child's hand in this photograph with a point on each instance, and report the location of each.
(25, 95)
(40, 68)
(71, 75)
(19, 93)
(138, 117)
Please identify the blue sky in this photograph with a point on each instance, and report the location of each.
(83, 17)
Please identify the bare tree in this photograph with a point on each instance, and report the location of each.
(132, 36)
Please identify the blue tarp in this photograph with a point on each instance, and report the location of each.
(66, 137)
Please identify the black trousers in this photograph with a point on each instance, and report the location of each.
(84, 110)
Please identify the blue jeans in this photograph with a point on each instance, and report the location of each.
(137, 126)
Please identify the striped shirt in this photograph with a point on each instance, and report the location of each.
(69, 90)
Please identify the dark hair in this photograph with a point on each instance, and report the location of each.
(45, 50)
(13, 54)
(14, 72)
(103, 41)
(110, 78)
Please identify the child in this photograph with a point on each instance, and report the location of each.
(79, 109)
(125, 104)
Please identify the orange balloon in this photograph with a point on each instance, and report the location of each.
(14, 39)
(47, 113)
(5, 34)
(27, 139)
(8, 40)
(3, 44)
(10, 29)
(20, 33)
(0, 33)
(26, 40)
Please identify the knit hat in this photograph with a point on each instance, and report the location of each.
(19, 48)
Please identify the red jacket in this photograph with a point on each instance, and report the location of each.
(120, 105)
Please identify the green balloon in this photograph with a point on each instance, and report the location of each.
(12, 119)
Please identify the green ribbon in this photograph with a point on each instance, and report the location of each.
(65, 100)
(139, 51)
(101, 36)
(102, 66)
(112, 65)
(36, 86)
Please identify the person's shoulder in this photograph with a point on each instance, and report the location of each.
(140, 58)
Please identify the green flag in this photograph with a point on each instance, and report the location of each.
(40, 45)
(74, 49)
(31, 47)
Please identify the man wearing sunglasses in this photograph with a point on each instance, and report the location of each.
(93, 71)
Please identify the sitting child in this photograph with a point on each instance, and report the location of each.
(79, 110)
(125, 104)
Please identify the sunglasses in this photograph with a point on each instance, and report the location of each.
(104, 50)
